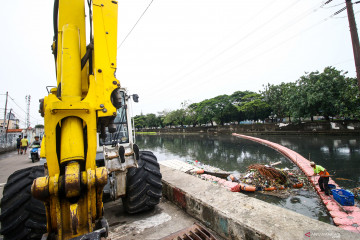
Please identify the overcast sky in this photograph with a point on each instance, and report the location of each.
(183, 50)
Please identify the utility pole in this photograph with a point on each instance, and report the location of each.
(7, 94)
(7, 127)
(354, 38)
(27, 98)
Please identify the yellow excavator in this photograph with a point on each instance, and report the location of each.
(88, 143)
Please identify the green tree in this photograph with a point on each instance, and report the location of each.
(180, 116)
(255, 107)
(151, 120)
(350, 99)
(205, 112)
(192, 114)
(160, 121)
(237, 97)
(277, 97)
(224, 110)
(329, 93)
(139, 121)
(237, 100)
(173, 118)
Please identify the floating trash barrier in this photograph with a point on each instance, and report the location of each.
(345, 217)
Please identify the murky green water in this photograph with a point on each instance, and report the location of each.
(339, 154)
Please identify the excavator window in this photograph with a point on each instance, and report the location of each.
(121, 135)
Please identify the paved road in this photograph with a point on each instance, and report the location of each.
(165, 219)
(9, 163)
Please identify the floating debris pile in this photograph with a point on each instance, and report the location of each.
(264, 177)
(356, 192)
(258, 177)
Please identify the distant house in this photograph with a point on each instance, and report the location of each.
(15, 131)
(11, 120)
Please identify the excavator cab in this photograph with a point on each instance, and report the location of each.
(121, 135)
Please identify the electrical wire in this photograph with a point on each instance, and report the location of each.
(342, 62)
(219, 42)
(334, 5)
(264, 52)
(34, 118)
(19, 118)
(347, 16)
(135, 24)
(170, 84)
(271, 35)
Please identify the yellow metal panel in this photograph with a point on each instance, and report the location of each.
(42, 149)
(72, 140)
(105, 49)
(73, 12)
(105, 31)
(71, 65)
(40, 188)
(74, 218)
(72, 179)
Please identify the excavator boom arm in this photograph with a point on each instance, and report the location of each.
(83, 103)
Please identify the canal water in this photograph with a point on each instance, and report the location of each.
(339, 154)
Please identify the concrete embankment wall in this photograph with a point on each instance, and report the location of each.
(8, 143)
(237, 216)
(336, 127)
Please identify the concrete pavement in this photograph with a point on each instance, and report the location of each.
(9, 163)
(164, 220)
(231, 215)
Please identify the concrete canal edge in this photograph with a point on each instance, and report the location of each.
(345, 217)
(237, 216)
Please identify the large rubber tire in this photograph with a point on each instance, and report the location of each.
(22, 216)
(143, 184)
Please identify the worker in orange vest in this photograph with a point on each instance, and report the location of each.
(323, 179)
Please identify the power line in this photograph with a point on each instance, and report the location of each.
(196, 68)
(135, 24)
(219, 42)
(269, 50)
(262, 53)
(276, 33)
(19, 118)
(13, 100)
(342, 62)
(268, 37)
(347, 16)
(334, 5)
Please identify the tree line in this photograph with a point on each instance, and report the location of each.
(328, 94)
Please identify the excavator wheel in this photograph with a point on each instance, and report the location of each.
(22, 216)
(143, 184)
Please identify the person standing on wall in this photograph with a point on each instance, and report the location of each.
(18, 144)
(24, 145)
(324, 177)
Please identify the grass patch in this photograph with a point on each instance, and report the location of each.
(146, 133)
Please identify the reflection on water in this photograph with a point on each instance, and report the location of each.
(339, 154)
(225, 152)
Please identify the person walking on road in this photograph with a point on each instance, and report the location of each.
(24, 144)
(324, 177)
(18, 144)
